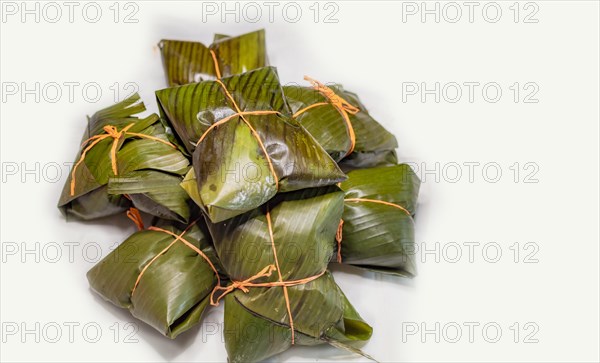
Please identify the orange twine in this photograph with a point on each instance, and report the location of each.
(338, 238)
(134, 214)
(111, 131)
(216, 64)
(344, 107)
(266, 272)
(177, 238)
(379, 202)
(241, 115)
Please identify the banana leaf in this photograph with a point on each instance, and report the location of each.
(257, 321)
(156, 193)
(187, 62)
(190, 185)
(219, 36)
(242, 163)
(378, 227)
(363, 160)
(327, 125)
(191, 109)
(174, 288)
(97, 191)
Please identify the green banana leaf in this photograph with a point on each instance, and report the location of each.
(190, 185)
(219, 36)
(155, 193)
(191, 109)
(173, 291)
(95, 204)
(377, 236)
(232, 171)
(303, 223)
(363, 160)
(187, 62)
(327, 125)
(96, 195)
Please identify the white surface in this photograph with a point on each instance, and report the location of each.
(371, 51)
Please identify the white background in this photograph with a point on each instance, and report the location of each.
(377, 53)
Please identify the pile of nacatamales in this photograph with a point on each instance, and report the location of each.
(255, 189)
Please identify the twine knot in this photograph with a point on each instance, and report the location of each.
(344, 108)
(242, 285)
(112, 131)
(338, 102)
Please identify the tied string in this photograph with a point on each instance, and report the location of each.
(344, 108)
(249, 282)
(178, 238)
(338, 238)
(134, 214)
(338, 234)
(266, 272)
(354, 200)
(110, 131)
(242, 117)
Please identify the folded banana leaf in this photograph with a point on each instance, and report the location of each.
(156, 193)
(187, 62)
(322, 110)
(287, 240)
(190, 185)
(245, 146)
(126, 161)
(363, 160)
(191, 109)
(378, 226)
(162, 280)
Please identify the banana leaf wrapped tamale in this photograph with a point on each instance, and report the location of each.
(163, 275)
(340, 123)
(126, 161)
(378, 229)
(281, 293)
(268, 166)
(187, 62)
(245, 146)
